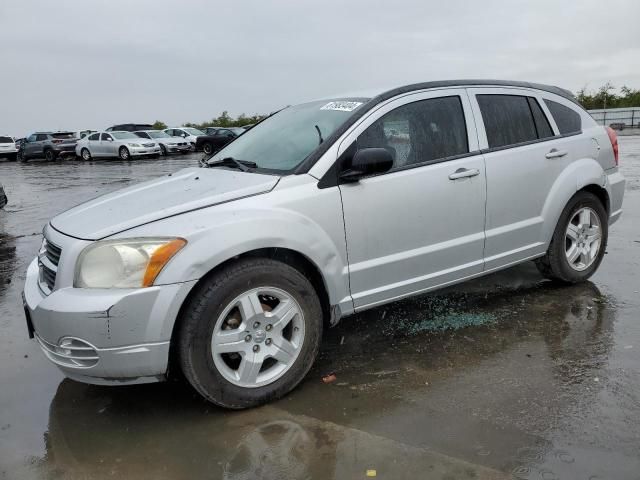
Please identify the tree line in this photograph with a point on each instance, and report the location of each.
(607, 97)
(603, 97)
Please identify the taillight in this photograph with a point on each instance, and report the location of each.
(57, 140)
(614, 142)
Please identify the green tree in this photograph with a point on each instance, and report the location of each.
(158, 125)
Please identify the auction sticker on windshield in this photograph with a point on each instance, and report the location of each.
(341, 106)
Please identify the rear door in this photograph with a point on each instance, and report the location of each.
(421, 224)
(523, 158)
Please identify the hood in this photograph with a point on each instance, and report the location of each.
(183, 191)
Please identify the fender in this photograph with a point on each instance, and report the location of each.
(577, 175)
(282, 218)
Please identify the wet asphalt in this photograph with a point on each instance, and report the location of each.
(508, 376)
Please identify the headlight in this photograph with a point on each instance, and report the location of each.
(134, 144)
(132, 263)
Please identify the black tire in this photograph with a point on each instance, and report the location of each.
(21, 156)
(163, 150)
(124, 153)
(49, 155)
(85, 154)
(207, 148)
(555, 265)
(206, 305)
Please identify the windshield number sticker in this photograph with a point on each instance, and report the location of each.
(341, 106)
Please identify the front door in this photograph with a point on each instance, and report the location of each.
(421, 224)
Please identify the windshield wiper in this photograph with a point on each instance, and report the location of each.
(319, 134)
(243, 165)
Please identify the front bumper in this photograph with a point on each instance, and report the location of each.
(142, 151)
(104, 337)
(178, 148)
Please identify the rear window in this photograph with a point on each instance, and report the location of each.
(567, 119)
(6, 140)
(63, 135)
(512, 119)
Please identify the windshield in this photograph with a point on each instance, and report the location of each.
(193, 131)
(123, 135)
(238, 130)
(159, 134)
(284, 140)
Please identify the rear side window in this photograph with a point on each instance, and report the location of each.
(419, 132)
(95, 136)
(568, 120)
(6, 140)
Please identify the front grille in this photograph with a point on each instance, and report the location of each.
(148, 144)
(53, 252)
(49, 277)
(48, 273)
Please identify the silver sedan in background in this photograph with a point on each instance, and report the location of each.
(167, 143)
(123, 145)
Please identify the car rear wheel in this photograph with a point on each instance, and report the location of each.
(579, 240)
(250, 333)
(163, 150)
(85, 154)
(124, 154)
(207, 148)
(49, 155)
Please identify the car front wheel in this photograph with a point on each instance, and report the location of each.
(579, 240)
(123, 153)
(250, 333)
(85, 154)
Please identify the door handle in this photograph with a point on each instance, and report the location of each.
(555, 153)
(464, 173)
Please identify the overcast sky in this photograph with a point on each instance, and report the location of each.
(90, 63)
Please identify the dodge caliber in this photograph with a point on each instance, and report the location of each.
(229, 273)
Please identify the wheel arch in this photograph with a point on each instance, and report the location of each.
(291, 257)
(582, 175)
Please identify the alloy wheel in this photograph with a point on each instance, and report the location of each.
(583, 239)
(258, 337)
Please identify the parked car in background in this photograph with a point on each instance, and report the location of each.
(219, 137)
(79, 134)
(130, 127)
(189, 134)
(8, 148)
(168, 144)
(123, 145)
(3, 197)
(48, 145)
(322, 210)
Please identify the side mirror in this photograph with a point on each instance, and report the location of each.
(110, 139)
(366, 162)
(184, 135)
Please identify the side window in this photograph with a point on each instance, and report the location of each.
(95, 136)
(106, 136)
(31, 138)
(567, 119)
(143, 134)
(419, 132)
(508, 119)
(41, 137)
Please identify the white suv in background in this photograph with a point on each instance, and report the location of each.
(188, 133)
(8, 147)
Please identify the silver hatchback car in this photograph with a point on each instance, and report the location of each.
(115, 144)
(322, 210)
